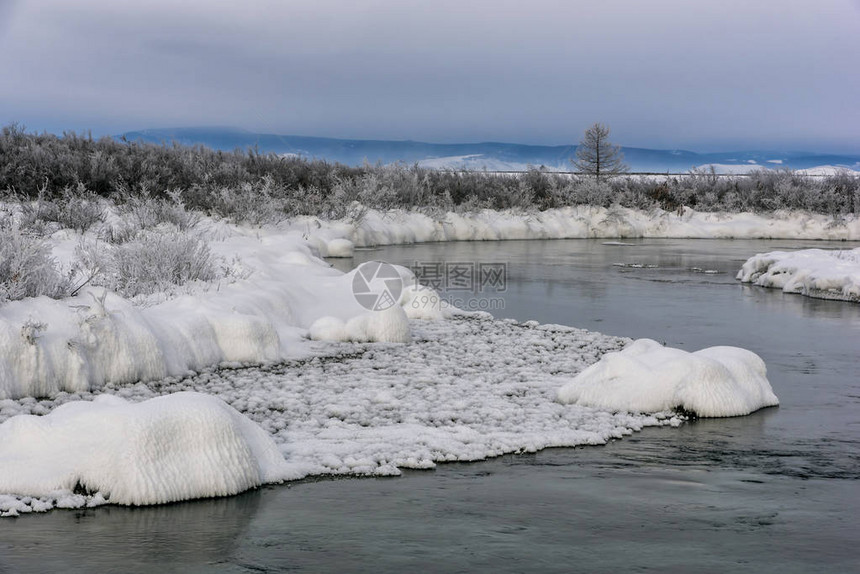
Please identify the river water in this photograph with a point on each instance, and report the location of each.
(776, 491)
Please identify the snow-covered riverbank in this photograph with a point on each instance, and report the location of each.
(429, 390)
(274, 288)
(811, 272)
(397, 227)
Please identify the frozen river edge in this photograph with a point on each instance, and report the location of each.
(465, 389)
(266, 319)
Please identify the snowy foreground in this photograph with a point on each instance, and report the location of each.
(464, 389)
(335, 387)
(813, 272)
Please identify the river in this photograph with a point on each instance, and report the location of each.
(776, 491)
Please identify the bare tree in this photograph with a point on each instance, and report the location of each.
(597, 156)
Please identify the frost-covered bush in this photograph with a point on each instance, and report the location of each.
(39, 217)
(249, 203)
(147, 212)
(79, 209)
(156, 262)
(73, 208)
(258, 188)
(591, 192)
(27, 268)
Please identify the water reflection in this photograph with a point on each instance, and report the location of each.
(144, 538)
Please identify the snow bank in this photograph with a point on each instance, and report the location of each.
(813, 272)
(277, 288)
(646, 377)
(262, 313)
(398, 227)
(176, 447)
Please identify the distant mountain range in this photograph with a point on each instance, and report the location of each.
(490, 155)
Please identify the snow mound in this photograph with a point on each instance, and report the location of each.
(340, 248)
(388, 326)
(813, 272)
(420, 302)
(646, 377)
(176, 447)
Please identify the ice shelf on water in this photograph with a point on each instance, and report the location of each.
(465, 389)
(826, 274)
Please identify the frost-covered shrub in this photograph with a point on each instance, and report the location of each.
(253, 187)
(6, 219)
(39, 217)
(377, 190)
(521, 196)
(74, 208)
(79, 209)
(588, 191)
(472, 204)
(249, 203)
(27, 268)
(147, 212)
(156, 262)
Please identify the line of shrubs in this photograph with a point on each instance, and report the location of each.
(255, 187)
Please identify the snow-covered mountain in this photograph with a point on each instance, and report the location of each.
(492, 156)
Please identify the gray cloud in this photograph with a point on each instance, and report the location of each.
(667, 73)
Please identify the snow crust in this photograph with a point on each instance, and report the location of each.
(827, 274)
(177, 447)
(647, 377)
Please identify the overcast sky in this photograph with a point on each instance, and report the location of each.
(701, 75)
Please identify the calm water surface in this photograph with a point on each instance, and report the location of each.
(776, 491)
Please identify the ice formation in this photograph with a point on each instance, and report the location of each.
(646, 377)
(177, 447)
(827, 274)
(465, 389)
